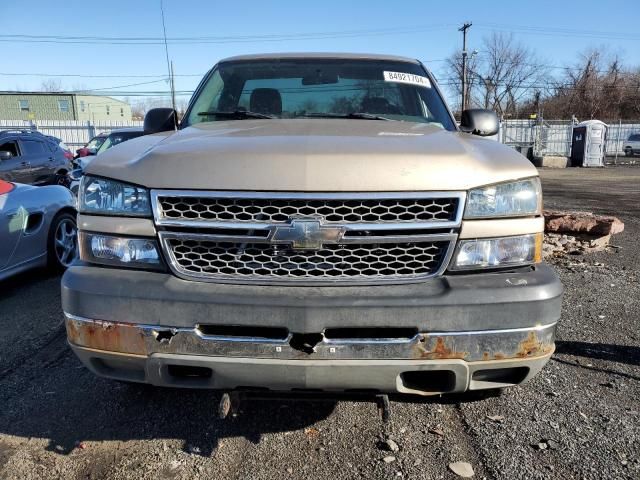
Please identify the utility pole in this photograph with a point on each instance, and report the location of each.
(536, 102)
(464, 29)
(173, 89)
(169, 64)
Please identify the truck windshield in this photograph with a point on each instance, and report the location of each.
(317, 88)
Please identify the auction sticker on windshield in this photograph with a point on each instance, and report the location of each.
(409, 78)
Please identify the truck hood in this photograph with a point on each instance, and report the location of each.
(312, 155)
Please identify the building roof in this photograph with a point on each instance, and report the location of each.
(76, 94)
(318, 55)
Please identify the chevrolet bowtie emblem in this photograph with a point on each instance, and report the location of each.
(306, 234)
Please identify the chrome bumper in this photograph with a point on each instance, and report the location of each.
(470, 346)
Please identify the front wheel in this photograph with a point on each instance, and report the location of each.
(62, 179)
(62, 247)
(628, 152)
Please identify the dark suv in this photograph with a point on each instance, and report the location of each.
(31, 157)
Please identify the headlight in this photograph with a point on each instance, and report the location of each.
(497, 252)
(101, 195)
(119, 251)
(513, 199)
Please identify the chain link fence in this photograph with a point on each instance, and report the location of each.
(72, 132)
(535, 138)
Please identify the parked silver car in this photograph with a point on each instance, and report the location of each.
(37, 228)
(632, 145)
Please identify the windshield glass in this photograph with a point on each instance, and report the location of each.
(116, 138)
(96, 142)
(303, 88)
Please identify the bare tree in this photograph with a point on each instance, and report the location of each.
(80, 87)
(630, 107)
(141, 105)
(181, 106)
(597, 86)
(454, 71)
(51, 85)
(503, 76)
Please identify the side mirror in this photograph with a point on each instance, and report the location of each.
(160, 120)
(5, 155)
(477, 121)
(91, 151)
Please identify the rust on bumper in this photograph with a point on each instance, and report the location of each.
(501, 345)
(109, 336)
(469, 346)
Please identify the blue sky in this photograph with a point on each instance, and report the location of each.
(427, 30)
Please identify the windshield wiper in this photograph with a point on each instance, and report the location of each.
(236, 114)
(354, 115)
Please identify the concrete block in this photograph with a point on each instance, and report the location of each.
(552, 161)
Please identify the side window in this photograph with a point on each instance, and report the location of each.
(209, 99)
(33, 147)
(12, 147)
(634, 138)
(116, 139)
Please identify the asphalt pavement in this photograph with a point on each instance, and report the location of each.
(580, 418)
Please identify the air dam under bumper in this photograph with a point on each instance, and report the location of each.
(457, 333)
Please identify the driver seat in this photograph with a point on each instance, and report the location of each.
(266, 100)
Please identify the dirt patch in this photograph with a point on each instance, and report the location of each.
(5, 453)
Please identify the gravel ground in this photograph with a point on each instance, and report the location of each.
(580, 418)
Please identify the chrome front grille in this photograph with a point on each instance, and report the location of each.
(278, 237)
(231, 260)
(273, 210)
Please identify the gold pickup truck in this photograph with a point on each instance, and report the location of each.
(314, 221)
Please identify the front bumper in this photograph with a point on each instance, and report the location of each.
(471, 331)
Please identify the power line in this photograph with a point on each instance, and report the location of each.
(63, 39)
(133, 40)
(558, 31)
(546, 86)
(82, 75)
(216, 38)
(118, 86)
(483, 54)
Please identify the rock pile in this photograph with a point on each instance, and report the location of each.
(577, 233)
(556, 244)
